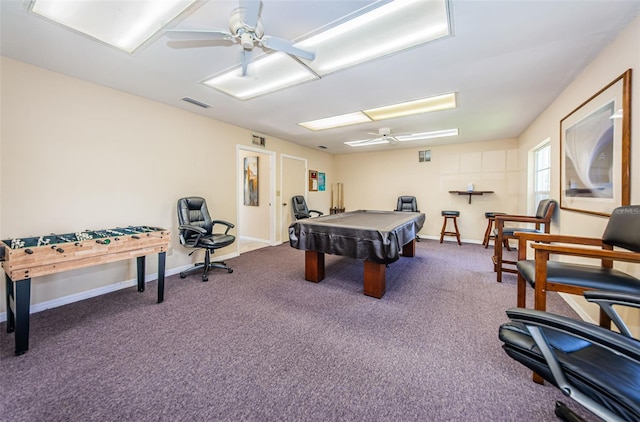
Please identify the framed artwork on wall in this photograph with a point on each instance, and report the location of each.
(251, 181)
(321, 181)
(595, 145)
(313, 180)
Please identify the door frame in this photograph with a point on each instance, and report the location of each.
(282, 178)
(272, 187)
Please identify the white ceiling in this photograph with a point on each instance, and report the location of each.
(507, 61)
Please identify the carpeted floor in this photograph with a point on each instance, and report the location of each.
(262, 344)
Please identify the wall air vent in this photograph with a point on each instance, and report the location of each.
(258, 140)
(196, 102)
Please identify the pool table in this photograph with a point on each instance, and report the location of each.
(377, 237)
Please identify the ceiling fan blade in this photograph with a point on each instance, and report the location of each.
(279, 44)
(198, 43)
(251, 12)
(245, 59)
(198, 34)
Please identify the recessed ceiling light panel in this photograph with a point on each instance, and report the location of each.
(428, 135)
(423, 105)
(336, 121)
(123, 24)
(390, 28)
(275, 71)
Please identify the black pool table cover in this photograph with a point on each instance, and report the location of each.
(376, 236)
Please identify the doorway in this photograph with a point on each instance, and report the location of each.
(256, 197)
(293, 182)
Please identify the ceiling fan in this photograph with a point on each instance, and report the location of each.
(383, 136)
(245, 28)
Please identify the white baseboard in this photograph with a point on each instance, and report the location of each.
(76, 297)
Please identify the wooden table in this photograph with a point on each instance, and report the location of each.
(37, 256)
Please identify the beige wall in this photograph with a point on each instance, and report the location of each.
(76, 155)
(622, 54)
(374, 180)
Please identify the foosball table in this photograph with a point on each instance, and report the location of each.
(25, 258)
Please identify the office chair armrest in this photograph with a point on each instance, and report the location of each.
(198, 230)
(594, 334)
(588, 252)
(615, 298)
(606, 300)
(224, 223)
(317, 212)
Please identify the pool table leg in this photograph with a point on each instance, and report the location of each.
(313, 266)
(409, 249)
(374, 279)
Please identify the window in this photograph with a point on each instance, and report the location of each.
(541, 173)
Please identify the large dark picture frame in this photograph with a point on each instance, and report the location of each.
(595, 146)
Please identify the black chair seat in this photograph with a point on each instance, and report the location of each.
(586, 276)
(604, 376)
(219, 240)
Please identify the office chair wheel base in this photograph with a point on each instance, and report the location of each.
(205, 278)
(229, 270)
(183, 275)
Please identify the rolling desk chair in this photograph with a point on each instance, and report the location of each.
(596, 367)
(300, 209)
(196, 231)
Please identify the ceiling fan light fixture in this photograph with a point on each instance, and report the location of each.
(336, 121)
(423, 105)
(125, 25)
(366, 142)
(427, 135)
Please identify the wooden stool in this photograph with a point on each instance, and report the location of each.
(491, 218)
(454, 216)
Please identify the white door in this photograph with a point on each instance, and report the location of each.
(294, 172)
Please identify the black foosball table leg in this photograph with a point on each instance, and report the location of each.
(18, 308)
(140, 262)
(162, 257)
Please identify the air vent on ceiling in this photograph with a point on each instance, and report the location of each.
(196, 102)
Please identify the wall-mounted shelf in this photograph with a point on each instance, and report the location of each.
(470, 193)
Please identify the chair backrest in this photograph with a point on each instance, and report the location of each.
(299, 205)
(623, 229)
(407, 203)
(546, 207)
(193, 211)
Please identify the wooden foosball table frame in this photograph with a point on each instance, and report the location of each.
(23, 262)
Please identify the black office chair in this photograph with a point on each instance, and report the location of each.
(196, 231)
(300, 209)
(596, 367)
(408, 203)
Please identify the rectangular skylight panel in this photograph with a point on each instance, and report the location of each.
(124, 24)
(336, 121)
(428, 135)
(390, 28)
(271, 73)
(420, 106)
